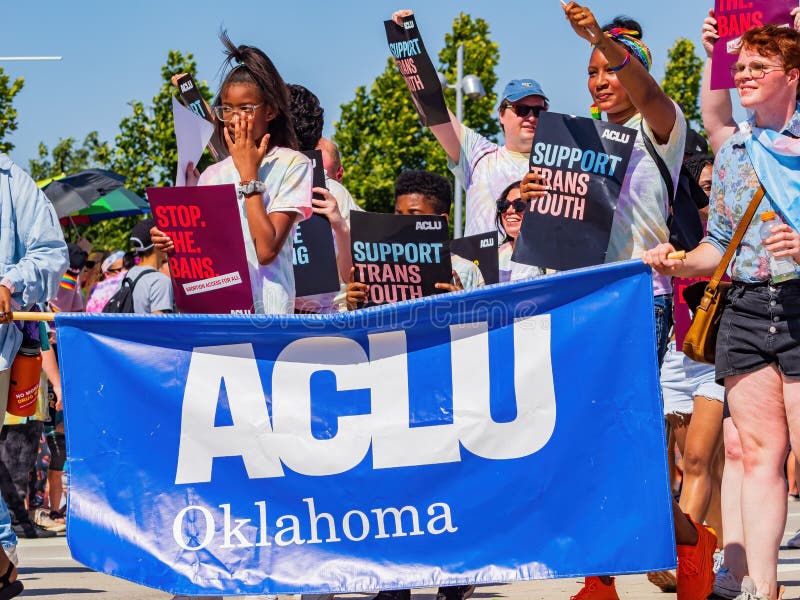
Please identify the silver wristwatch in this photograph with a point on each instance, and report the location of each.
(251, 187)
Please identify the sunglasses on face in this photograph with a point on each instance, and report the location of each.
(523, 110)
(519, 205)
(113, 269)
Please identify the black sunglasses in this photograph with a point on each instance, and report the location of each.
(519, 205)
(523, 110)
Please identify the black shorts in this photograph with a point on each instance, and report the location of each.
(760, 326)
(58, 451)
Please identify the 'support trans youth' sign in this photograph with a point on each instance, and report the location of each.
(368, 450)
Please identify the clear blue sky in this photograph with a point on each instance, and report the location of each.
(113, 51)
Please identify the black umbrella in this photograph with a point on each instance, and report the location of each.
(76, 192)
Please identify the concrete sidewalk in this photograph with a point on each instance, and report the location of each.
(48, 571)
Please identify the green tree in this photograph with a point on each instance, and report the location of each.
(66, 157)
(481, 55)
(379, 134)
(146, 151)
(8, 114)
(682, 80)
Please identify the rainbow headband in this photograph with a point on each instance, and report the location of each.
(633, 44)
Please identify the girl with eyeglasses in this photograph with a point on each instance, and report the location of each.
(510, 210)
(758, 345)
(273, 180)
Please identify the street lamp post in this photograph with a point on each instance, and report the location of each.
(473, 88)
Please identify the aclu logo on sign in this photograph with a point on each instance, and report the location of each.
(409, 24)
(429, 225)
(269, 443)
(487, 243)
(616, 136)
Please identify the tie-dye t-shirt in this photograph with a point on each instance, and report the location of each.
(640, 221)
(513, 271)
(287, 176)
(486, 170)
(468, 272)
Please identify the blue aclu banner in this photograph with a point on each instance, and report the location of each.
(514, 432)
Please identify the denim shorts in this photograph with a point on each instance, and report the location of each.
(683, 379)
(760, 326)
(663, 318)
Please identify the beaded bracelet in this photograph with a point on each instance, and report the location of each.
(620, 66)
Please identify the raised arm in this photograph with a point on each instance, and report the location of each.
(447, 134)
(715, 105)
(656, 108)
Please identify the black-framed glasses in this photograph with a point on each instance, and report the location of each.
(523, 110)
(756, 68)
(518, 204)
(226, 113)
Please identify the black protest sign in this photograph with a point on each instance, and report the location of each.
(583, 163)
(314, 258)
(196, 103)
(414, 64)
(400, 256)
(482, 250)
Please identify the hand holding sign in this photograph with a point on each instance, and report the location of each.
(583, 21)
(356, 292)
(710, 36)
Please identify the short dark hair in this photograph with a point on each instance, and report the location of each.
(251, 66)
(695, 165)
(625, 22)
(434, 187)
(308, 117)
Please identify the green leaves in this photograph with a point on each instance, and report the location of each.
(8, 114)
(144, 150)
(379, 134)
(682, 79)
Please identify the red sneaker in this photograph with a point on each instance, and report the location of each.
(696, 565)
(595, 589)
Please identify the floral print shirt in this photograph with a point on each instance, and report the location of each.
(733, 187)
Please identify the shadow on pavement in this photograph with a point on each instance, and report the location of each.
(35, 570)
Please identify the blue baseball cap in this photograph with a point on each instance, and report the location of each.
(517, 89)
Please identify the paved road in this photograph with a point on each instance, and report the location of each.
(49, 572)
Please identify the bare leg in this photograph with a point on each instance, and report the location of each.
(732, 475)
(714, 512)
(702, 441)
(757, 406)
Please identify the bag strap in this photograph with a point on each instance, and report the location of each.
(662, 166)
(133, 282)
(736, 239)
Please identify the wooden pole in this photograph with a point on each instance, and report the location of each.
(32, 316)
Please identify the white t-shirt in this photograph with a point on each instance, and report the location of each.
(287, 175)
(329, 303)
(152, 292)
(640, 221)
(514, 271)
(486, 170)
